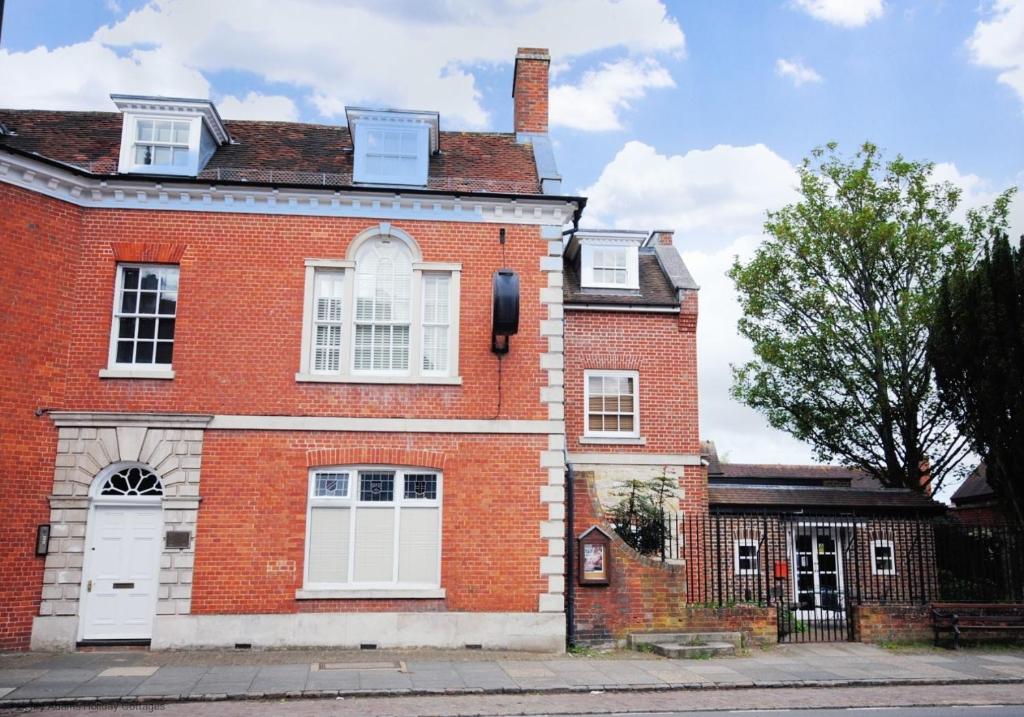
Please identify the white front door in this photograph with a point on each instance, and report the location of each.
(121, 572)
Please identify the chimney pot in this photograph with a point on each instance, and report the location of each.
(530, 90)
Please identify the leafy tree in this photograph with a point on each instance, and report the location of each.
(640, 515)
(837, 302)
(977, 347)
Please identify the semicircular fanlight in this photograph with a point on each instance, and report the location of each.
(134, 480)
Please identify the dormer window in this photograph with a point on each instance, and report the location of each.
(609, 259)
(392, 147)
(168, 136)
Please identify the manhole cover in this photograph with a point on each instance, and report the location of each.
(396, 666)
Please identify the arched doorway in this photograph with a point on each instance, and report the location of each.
(121, 566)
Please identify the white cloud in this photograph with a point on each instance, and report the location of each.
(709, 196)
(82, 77)
(596, 102)
(845, 13)
(256, 106)
(796, 71)
(977, 192)
(999, 43)
(396, 52)
(716, 200)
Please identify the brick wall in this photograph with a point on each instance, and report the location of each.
(530, 90)
(38, 242)
(646, 594)
(251, 536)
(891, 623)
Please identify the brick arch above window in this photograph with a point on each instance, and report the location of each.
(147, 252)
(375, 456)
(613, 361)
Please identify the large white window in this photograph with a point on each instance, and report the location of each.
(373, 528)
(612, 404)
(381, 317)
(145, 311)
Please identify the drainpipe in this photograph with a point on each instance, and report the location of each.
(570, 582)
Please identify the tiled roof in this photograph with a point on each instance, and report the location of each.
(790, 472)
(974, 488)
(812, 497)
(655, 287)
(284, 152)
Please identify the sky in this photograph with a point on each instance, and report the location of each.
(687, 115)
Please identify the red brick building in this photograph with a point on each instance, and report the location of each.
(249, 383)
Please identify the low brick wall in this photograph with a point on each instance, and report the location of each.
(891, 623)
(647, 595)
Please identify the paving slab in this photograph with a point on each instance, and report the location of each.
(171, 681)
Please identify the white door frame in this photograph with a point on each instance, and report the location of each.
(813, 529)
(107, 501)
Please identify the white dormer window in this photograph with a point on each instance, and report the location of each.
(609, 267)
(162, 143)
(392, 147)
(168, 136)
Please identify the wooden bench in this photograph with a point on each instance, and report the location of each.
(960, 617)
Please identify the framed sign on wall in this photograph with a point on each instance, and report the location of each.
(594, 557)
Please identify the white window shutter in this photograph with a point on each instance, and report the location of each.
(375, 545)
(327, 321)
(328, 545)
(418, 546)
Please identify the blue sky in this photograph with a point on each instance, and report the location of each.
(685, 115)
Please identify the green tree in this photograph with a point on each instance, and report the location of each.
(977, 347)
(837, 302)
(640, 515)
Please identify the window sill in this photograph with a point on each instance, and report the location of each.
(364, 594)
(400, 380)
(610, 441)
(136, 373)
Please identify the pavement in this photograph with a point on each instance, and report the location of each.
(138, 677)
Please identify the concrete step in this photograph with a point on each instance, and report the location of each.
(684, 638)
(679, 651)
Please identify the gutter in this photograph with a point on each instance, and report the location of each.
(570, 583)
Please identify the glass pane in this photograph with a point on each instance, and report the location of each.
(130, 278)
(129, 302)
(144, 352)
(334, 485)
(166, 329)
(179, 157)
(181, 132)
(164, 349)
(400, 348)
(126, 328)
(168, 303)
(595, 385)
(162, 156)
(147, 302)
(150, 279)
(595, 423)
(626, 423)
(144, 130)
(143, 154)
(163, 131)
(169, 279)
(147, 328)
(377, 487)
(422, 486)
(124, 351)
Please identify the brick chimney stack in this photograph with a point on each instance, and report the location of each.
(663, 236)
(530, 90)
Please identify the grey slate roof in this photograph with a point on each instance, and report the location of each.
(975, 487)
(884, 500)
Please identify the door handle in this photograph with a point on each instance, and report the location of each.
(88, 587)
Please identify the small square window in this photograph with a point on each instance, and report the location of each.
(611, 404)
(420, 486)
(331, 485)
(377, 487)
(883, 558)
(747, 559)
(145, 311)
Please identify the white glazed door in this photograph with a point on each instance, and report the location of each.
(122, 566)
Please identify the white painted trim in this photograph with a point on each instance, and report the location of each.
(592, 440)
(331, 263)
(100, 419)
(369, 378)
(437, 265)
(360, 594)
(628, 308)
(635, 459)
(381, 425)
(614, 435)
(205, 195)
(135, 373)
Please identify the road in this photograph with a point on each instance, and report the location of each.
(941, 700)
